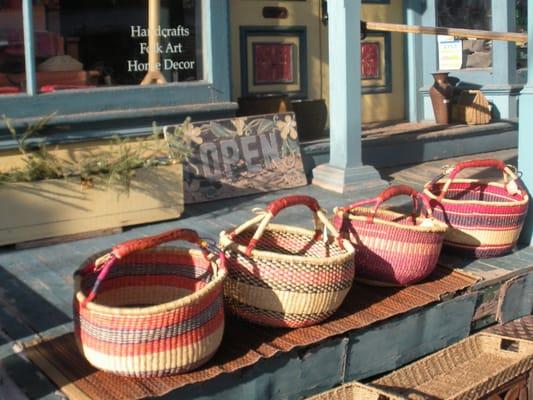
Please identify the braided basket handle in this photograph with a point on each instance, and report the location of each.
(274, 208)
(104, 263)
(487, 163)
(389, 193)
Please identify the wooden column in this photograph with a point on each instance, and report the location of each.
(525, 129)
(154, 74)
(345, 170)
(29, 47)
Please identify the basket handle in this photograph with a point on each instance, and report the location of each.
(492, 163)
(103, 264)
(389, 193)
(274, 208)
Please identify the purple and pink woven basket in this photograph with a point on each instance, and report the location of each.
(392, 249)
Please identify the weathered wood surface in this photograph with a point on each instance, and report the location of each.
(409, 337)
(516, 299)
(59, 207)
(458, 32)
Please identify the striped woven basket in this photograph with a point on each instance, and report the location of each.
(485, 218)
(159, 311)
(392, 249)
(286, 276)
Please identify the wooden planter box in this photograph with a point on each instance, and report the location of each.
(58, 207)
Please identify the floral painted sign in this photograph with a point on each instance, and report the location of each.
(239, 156)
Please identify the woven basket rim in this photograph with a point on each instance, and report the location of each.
(475, 337)
(359, 387)
(438, 226)
(432, 196)
(349, 250)
(158, 308)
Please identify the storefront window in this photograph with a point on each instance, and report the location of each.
(12, 46)
(467, 14)
(93, 43)
(521, 26)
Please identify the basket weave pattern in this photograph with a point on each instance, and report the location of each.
(470, 369)
(485, 220)
(292, 278)
(159, 312)
(391, 248)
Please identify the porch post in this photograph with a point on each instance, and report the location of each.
(525, 128)
(29, 47)
(345, 170)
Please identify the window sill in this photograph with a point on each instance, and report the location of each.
(79, 127)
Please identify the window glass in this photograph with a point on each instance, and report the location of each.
(90, 43)
(521, 26)
(467, 14)
(12, 45)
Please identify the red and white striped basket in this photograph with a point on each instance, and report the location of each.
(286, 276)
(392, 249)
(485, 218)
(144, 311)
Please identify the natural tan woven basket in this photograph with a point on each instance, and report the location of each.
(286, 276)
(471, 369)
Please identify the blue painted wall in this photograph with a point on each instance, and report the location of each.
(500, 83)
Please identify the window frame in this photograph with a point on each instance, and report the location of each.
(213, 88)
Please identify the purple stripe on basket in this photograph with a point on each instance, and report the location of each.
(509, 221)
(186, 271)
(134, 336)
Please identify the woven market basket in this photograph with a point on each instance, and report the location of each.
(355, 391)
(392, 249)
(470, 369)
(485, 218)
(286, 276)
(146, 311)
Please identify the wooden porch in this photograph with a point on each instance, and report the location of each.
(35, 306)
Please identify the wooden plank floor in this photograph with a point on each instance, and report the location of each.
(36, 283)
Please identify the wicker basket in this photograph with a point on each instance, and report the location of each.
(472, 108)
(159, 311)
(391, 248)
(471, 369)
(485, 218)
(286, 276)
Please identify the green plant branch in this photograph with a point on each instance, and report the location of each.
(116, 166)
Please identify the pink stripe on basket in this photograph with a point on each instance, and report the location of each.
(154, 321)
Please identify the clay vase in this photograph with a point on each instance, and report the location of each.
(441, 94)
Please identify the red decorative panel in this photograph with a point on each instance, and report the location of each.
(273, 63)
(370, 60)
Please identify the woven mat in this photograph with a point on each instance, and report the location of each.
(520, 328)
(244, 344)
